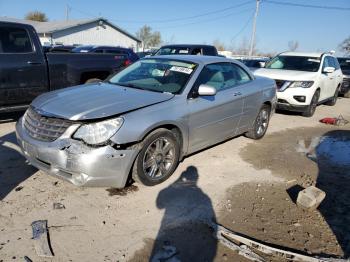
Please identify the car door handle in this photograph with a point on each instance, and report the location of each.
(33, 63)
(237, 94)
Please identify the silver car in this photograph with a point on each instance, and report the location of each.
(142, 121)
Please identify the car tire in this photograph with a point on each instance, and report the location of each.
(261, 123)
(334, 99)
(309, 112)
(93, 80)
(158, 158)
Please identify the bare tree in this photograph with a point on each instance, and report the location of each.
(293, 45)
(220, 46)
(345, 46)
(36, 16)
(149, 38)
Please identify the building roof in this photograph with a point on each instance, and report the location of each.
(55, 26)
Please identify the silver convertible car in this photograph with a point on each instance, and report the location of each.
(142, 121)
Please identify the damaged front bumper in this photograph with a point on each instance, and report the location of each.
(76, 162)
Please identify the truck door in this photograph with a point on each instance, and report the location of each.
(23, 74)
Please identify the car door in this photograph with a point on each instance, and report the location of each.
(214, 118)
(23, 74)
(327, 82)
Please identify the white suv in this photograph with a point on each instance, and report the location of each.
(304, 80)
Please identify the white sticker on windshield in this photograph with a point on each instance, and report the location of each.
(180, 69)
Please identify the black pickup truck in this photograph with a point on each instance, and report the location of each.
(26, 71)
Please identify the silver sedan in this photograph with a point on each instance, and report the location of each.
(142, 121)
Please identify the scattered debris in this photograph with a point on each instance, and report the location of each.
(122, 191)
(19, 188)
(58, 206)
(336, 121)
(310, 198)
(245, 245)
(41, 239)
(27, 259)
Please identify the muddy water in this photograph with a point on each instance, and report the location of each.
(303, 157)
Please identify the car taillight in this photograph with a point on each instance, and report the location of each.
(127, 62)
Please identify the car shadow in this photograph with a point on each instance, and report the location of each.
(333, 159)
(13, 169)
(185, 234)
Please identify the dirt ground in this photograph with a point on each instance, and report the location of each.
(248, 186)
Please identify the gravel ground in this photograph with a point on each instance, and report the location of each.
(242, 184)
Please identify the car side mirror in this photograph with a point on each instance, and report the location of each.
(328, 69)
(206, 90)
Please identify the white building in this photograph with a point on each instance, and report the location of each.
(97, 31)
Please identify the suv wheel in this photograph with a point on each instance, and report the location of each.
(157, 159)
(309, 112)
(260, 124)
(334, 99)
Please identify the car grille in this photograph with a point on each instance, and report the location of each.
(44, 128)
(279, 83)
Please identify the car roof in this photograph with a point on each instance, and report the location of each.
(309, 54)
(187, 45)
(198, 59)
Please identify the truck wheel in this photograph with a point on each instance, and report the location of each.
(260, 124)
(157, 159)
(93, 80)
(309, 112)
(334, 99)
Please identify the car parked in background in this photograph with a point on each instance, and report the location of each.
(61, 48)
(132, 57)
(188, 49)
(144, 120)
(345, 68)
(254, 64)
(26, 71)
(304, 80)
(145, 53)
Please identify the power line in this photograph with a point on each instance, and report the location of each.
(173, 19)
(206, 20)
(243, 27)
(339, 8)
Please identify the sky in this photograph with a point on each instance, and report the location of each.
(204, 21)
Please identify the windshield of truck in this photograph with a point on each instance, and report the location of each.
(173, 51)
(299, 63)
(158, 75)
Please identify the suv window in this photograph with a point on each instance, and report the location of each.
(14, 40)
(328, 62)
(336, 63)
(222, 76)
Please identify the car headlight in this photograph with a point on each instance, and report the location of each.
(302, 84)
(100, 132)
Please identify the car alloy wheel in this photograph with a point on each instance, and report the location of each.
(262, 121)
(159, 158)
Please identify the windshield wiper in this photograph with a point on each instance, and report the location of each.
(137, 87)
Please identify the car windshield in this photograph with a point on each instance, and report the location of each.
(158, 75)
(173, 51)
(299, 63)
(344, 63)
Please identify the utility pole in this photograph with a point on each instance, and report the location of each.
(252, 40)
(67, 12)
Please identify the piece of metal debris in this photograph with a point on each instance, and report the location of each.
(336, 121)
(58, 206)
(41, 239)
(245, 246)
(27, 259)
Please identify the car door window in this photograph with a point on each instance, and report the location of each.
(327, 62)
(222, 76)
(14, 40)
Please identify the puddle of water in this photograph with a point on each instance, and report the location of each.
(335, 150)
(122, 191)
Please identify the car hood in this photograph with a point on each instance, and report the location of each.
(93, 101)
(285, 74)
